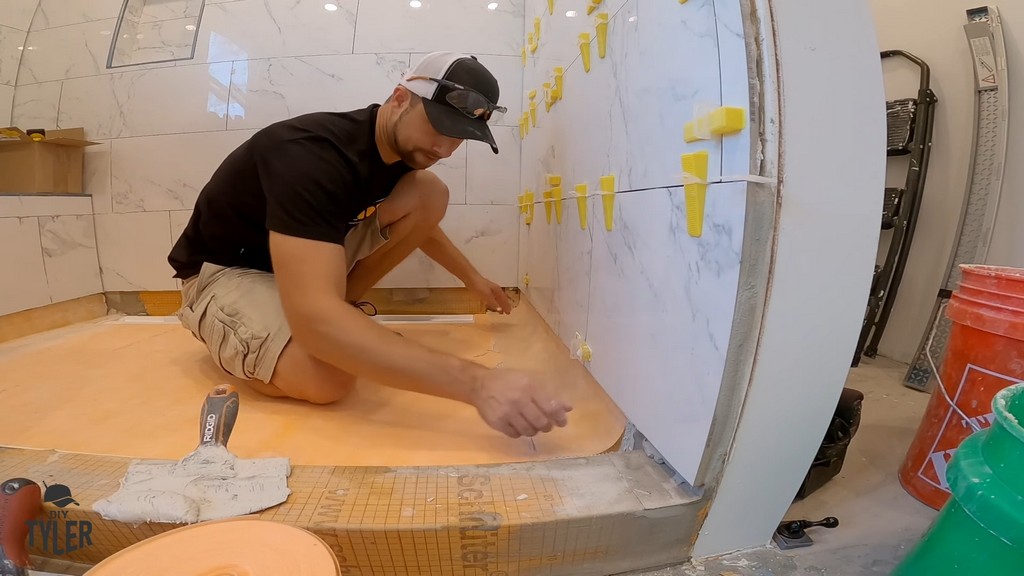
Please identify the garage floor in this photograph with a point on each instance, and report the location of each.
(878, 521)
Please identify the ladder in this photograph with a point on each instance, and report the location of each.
(910, 122)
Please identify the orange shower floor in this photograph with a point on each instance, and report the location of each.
(128, 389)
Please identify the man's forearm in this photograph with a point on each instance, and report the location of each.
(345, 337)
(439, 248)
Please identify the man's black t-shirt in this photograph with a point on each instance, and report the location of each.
(312, 176)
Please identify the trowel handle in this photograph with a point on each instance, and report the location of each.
(21, 501)
(220, 410)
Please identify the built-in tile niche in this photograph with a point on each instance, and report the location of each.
(153, 31)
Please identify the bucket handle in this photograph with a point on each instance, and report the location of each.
(935, 371)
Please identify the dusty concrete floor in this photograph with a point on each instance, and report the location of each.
(878, 521)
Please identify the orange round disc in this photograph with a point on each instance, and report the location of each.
(233, 547)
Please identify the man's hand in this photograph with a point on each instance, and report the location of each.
(492, 295)
(518, 403)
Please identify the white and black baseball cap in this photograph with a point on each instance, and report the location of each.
(460, 96)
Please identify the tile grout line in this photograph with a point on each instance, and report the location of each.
(42, 255)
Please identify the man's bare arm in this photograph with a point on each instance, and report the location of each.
(439, 248)
(311, 278)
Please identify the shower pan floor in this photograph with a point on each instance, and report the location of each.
(133, 387)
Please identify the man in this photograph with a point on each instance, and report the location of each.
(302, 219)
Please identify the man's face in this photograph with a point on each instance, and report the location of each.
(416, 141)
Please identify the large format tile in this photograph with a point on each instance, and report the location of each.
(541, 263)
(156, 42)
(133, 251)
(626, 116)
(35, 105)
(22, 258)
(251, 29)
(485, 234)
(66, 52)
(12, 43)
(395, 26)
(494, 178)
(96, 177)
(53, 13)
(661, 311)
(167, 172)
(265, 91)
(732, 50)
(31, 205)
(18, 13)
(179, 220)
(188, 98)
(69, 256)
(6, 104)
(573, 248)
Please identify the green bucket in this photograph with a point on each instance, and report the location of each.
(980, 530)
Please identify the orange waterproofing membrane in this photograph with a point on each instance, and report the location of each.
(393, 482)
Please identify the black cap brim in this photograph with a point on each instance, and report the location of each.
(454, 124)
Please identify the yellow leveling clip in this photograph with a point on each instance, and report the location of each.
(581, 204)
(602, 34)
(695, 167)
(585, 50)
(608, 199)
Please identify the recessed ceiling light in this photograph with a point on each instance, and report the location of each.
(632, 18)
(570, 14)
(415, 3)
(21, 47)
(492, 6)
(190, 27)
(330, 7)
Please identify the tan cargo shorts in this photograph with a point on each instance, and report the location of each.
(237, 312)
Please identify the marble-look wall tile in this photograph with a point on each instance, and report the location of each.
(541, 263)
(35, 105)
(96, 177)
(485, 234)
(21, 206)
(524, 252)
(22, 257)
(732, 49)
(69, 256)
(188, 98)
(133, 251)
(395, 26)
(12, 42)
(494, 178)
(573, 247)
(266, 91)
(252, 29)
(6, 104)
(452, 171)
(674, 336)
(179, 220)
(53, 13)
(18, 13)
(167, 172)
(626, 116)
(66, 52)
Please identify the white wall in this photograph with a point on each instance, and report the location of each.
(934, 32)
(165, 127)
(825, 246)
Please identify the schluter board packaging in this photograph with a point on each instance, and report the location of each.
(49, 164)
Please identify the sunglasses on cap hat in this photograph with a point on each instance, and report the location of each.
(468, 101)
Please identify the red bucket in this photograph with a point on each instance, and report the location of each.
(984, 354)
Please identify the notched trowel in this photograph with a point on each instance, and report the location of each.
(210, 483)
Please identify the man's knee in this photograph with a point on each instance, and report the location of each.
(429, 194)
(303, 377)
(329, 392)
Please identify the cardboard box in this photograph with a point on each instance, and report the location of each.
(51, 165)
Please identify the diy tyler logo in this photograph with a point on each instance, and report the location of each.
(23, 516)
(77, 533)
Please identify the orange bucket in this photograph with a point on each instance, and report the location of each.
(984, 354)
